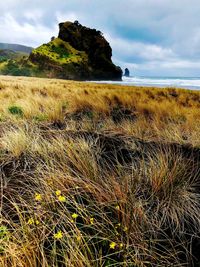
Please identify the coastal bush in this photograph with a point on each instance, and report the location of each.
(15, 69)
(16, 110)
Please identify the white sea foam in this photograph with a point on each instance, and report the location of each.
(190, 83)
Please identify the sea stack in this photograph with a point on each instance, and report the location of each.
(79, 53)
(127, 72)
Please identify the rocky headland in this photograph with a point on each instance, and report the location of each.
(78, 53)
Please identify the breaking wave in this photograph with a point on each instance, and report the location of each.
(183, 82)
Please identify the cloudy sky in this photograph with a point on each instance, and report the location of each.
(151, 37)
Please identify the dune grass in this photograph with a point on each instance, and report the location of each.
(98, 175)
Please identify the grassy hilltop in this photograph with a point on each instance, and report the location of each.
(98, 175)
(60, 52)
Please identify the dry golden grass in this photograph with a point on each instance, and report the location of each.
(169, 114)
(98, 175)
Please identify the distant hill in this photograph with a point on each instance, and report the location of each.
(6, 54)
(14, 62)
(16, 48)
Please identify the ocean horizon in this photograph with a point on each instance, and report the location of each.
(192, 83)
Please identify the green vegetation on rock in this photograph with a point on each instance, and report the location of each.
(60, 52)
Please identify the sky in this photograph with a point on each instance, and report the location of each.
(150, 37)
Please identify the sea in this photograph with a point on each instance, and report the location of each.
(178, 82)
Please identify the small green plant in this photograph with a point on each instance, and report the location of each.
(40, 117)
(2, 117)
(3, 231)
(16, 110)
(3, 237)
(89, 114)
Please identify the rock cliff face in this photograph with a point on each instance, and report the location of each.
(79, 53)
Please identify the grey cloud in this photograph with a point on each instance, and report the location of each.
(147, 35)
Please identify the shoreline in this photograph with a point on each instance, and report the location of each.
(192, 83)
(124, 83)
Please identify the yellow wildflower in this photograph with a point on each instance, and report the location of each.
(62, 198)
(113, 245)
(74, 216)
(37, 222)
(78, 238)
(38, 197)
(58, 192)
(91, 220)
(30, 221)
(118, 225)
(58, 235)
(117, 207)
(125, 229)
(121, 245)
